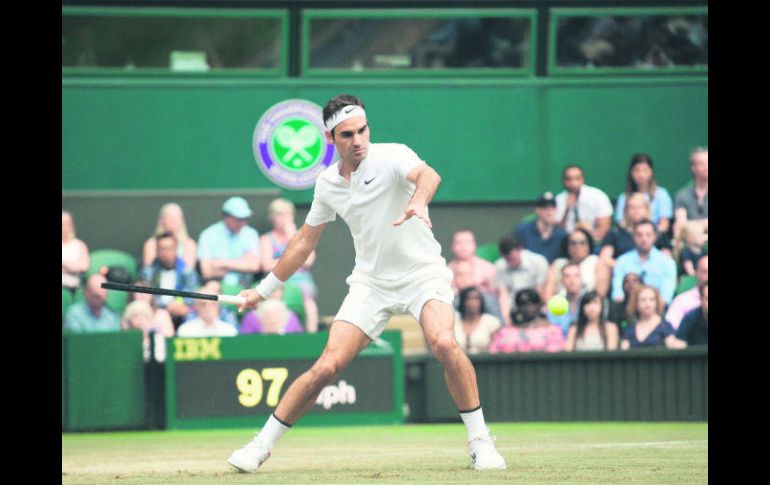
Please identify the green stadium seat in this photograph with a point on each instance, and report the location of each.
(292, 296)
(686, 283)
(67, 298)
(490, 252)
(116, 300)
(528, 218)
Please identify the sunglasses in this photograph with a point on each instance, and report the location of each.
(577, 242)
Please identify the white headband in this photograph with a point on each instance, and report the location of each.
(344, 113)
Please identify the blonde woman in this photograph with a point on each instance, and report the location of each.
(75, 259)
(171, 219)
(648, 328)
(273, 244)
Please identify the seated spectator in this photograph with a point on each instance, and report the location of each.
(170, 271)
(581, 205)
(690, 246)
(273, 244)
(690, 299)
(517, 268)
(591, 331)
(464, 278)
(464, 249)
(226, 314)
(271, 316)
(648, 328)
(655, 268)
(207, 323)
(142, 314)
(577, 248)
(229, 249)
(620, 240)
(474, 327)
(171, 219)
(618, 309)
(543, 235)
(641, 179)
(530, 331)
(572, 290)
(694, 329)
(91, 314)
(692, 201)
(74, 255)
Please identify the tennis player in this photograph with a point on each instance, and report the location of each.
(381, 191)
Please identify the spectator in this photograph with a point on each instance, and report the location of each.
(690, 246)
(577, 248)
(170, 271)
(464, 278)
(618, 309)
(471, 270)
(272, 316)
(273, 244)
(207, 323)
(229, 249)
(517, 268)
(641, 178)
(542, 235)
(620, 239)
(74, 255)
(580, 205)
(155, 323)
(572, 290)
(694, 329)
(530, 331)
(691, 298)
(591, 331)
(226, 314)
(171, 219)
(692, 201)
(474, 327)
(655, 268)
(648, 329)
(91, 314)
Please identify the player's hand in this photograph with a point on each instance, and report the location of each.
(417, 210)
(253, 299)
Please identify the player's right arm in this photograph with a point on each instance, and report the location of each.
(299, 248)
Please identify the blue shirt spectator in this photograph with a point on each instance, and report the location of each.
(543, 235)
(170, 271)
(91, 315)
(662, 206)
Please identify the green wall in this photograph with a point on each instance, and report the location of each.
(491, 140)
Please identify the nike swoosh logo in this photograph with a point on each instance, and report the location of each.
(349, 110)
(367, 181)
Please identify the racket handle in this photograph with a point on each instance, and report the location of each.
(231, 299)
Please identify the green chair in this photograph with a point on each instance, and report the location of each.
(490, 252)
(528, 218)
(67, 299)
(292, 296)
(116, 300)
(686, 283)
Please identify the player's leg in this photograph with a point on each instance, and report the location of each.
(437, 321)
(344, 343)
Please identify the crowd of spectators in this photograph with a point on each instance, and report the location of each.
(634, 274)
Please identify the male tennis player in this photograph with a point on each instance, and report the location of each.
(382, 192)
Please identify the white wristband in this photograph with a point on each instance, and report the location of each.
(268, 285)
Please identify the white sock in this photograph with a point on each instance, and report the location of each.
(272, 431)
(474, 422)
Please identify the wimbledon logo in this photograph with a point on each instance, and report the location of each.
(289, 144)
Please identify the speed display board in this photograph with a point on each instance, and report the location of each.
(238, 381)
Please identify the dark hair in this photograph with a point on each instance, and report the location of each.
(164, 235)
(582, 319)
(464, 294)
(509, 243)
(565, 242)
(643, 222)
(337, 103)
(568, 167)
(523, 296)
(631, 186)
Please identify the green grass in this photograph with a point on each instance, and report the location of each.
(536, 453)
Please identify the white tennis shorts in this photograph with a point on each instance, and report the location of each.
(370, 305)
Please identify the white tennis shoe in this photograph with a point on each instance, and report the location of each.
(484, 456)
(250, 457)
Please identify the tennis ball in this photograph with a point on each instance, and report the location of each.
(558, 305)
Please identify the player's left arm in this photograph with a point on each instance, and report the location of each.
(427, 181)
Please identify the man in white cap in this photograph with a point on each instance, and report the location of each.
(229, 249)
(382, 192)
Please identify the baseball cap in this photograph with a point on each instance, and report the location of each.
(237, 207)
(546, 199)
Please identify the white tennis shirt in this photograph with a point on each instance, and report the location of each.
(377, 194)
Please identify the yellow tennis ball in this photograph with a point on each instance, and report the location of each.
(558, 305)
